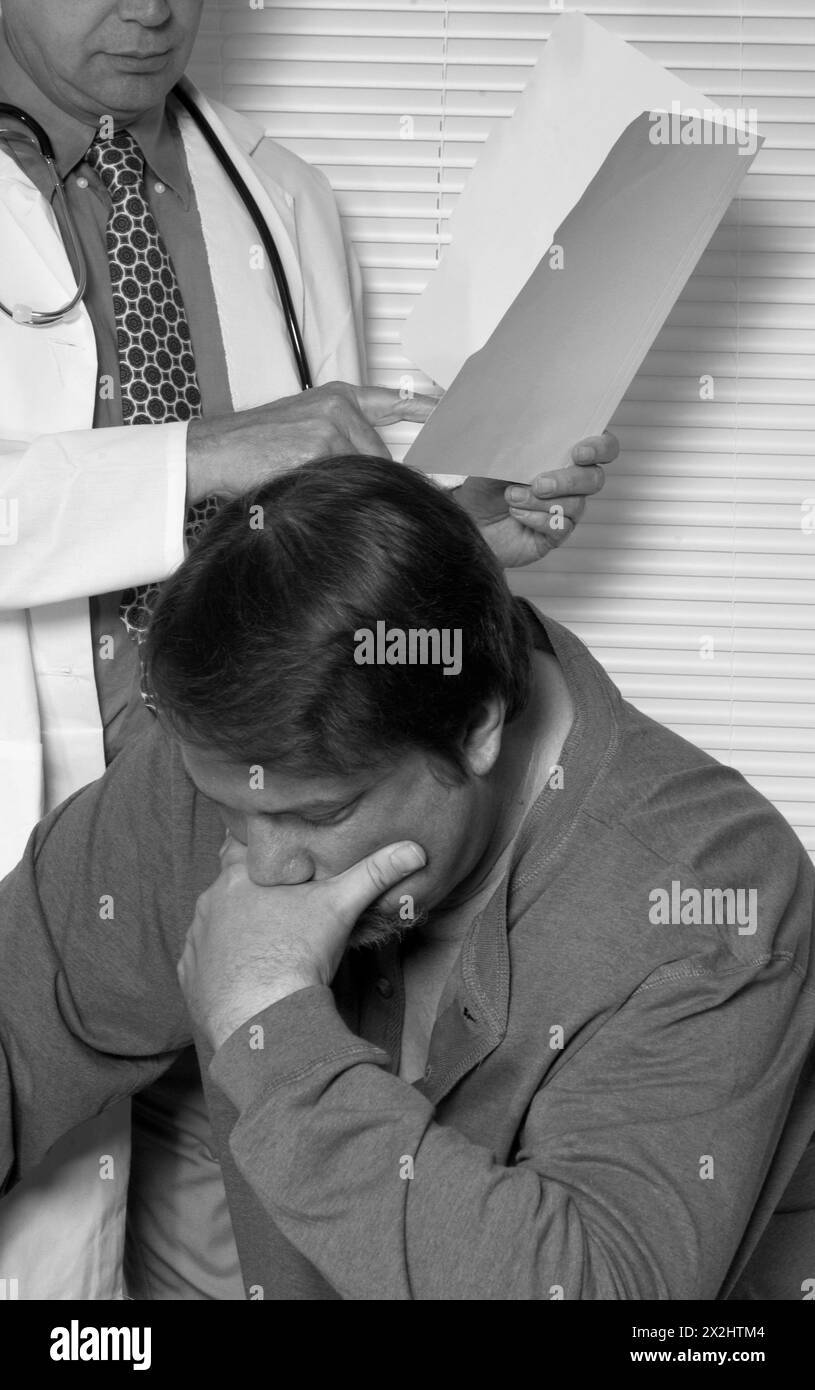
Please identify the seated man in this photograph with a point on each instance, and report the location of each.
(500, 989)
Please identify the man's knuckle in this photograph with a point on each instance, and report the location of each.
(377, 875)
(331, 406)
(325, 436)
(343, 395)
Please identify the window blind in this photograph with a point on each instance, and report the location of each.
(692, 577)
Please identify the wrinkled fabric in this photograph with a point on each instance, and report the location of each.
(613, 1107)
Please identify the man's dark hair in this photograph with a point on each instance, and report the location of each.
(251, 649)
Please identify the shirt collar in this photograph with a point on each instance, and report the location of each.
(71, 138)
(160, 143)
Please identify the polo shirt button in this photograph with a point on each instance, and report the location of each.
(160, 187)
(82, 182)
(384, 987)
(428, 1072)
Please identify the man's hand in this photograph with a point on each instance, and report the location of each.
(250, 946)
(520, 522)
(232, 453)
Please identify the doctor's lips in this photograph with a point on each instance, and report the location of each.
(157, 56)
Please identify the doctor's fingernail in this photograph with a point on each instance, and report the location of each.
(586, 454)
(517, 494)
(407, 857)
(545, 486)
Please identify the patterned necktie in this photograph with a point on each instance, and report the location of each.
(157, 371)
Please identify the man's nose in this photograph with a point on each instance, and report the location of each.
(276, 855)
(150, 13)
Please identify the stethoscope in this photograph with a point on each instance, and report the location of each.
(39, 140)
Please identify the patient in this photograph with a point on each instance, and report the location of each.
(500, 990)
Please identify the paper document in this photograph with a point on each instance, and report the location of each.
(571, 243)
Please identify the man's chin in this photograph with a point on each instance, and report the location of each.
(376, 927)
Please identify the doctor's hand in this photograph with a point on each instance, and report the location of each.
(250, 945)
(523, 522)
(228, 454)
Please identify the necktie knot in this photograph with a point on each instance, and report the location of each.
(119, 162)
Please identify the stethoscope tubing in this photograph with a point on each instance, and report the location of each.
(41, 136)
(250, 203)
(40, 318)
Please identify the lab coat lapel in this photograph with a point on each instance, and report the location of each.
(49, 374)
(34, 267)
(260, 364)
(48, 380)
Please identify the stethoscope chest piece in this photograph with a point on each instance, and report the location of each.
(36, 137)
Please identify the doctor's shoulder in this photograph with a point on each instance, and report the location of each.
(295, 175)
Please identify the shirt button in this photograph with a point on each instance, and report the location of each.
(160, 187)
(385, 988)
(428, 1072)
(82, 182)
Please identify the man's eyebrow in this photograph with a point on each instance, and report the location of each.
(334, 803)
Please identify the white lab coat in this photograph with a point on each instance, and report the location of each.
(87, 511)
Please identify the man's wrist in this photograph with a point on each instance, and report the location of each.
(229, 1020)
(203, 461)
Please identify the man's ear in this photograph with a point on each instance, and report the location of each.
(482, 742)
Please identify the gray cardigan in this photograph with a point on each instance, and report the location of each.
(620, 1087)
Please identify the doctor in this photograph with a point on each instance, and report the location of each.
(172, 383)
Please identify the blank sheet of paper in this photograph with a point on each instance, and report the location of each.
(563, 354)
(586, 88)
(541, 348)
